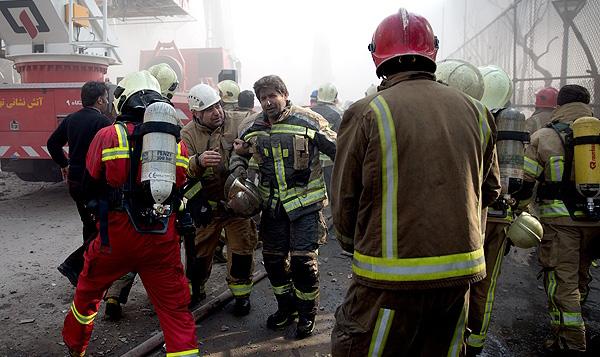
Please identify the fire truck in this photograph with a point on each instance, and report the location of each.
(58, 45)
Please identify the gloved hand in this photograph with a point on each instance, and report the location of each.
(202, 212)
(240, 172)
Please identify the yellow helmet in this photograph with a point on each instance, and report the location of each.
(327, 93)
(230, 91)
(132, 83)
(526, 231)
(167, 78)
(462, 75)
(498, 87)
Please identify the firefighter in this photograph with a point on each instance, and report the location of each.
(545, 103)
(118, 293)
(326, 98)
(564, 252)
(285, 141)
(407, 197)
(209, 138)
(134, 235)
(78, 130)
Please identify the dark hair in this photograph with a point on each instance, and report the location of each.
(270, 81)
(246, 99)
(91, 91)
(572, 93)
(406, 63)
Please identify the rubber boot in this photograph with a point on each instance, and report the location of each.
(286, 311)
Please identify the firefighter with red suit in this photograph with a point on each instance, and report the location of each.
(545, 103)
(569, 213)
(132, 173)
(418, 153)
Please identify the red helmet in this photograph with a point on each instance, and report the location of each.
(546, 98)
(403, 33)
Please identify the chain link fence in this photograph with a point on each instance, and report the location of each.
(539, 47)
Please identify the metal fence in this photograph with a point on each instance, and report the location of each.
(541, 43)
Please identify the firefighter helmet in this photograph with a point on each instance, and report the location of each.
(462, 75)
(230, 91)
(400, 34)
(133, 83)
(202, 96)
(327, 93)
(371, 90)
(243, 197)
(546, 97)
(167, 78)
(498, 87)
(526, 231)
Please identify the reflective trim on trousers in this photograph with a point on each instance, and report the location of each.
(240, 290)
(83, 319)
(307, 296)
(381, 332)
(190, 353)
(282, 290)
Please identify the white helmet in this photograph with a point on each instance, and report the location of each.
(167, 78)
(202, 96)
(498, 87)
(526, 231)
(371, 90)
(461, 75)
(229, 91)
(327, 93)
(131, 84)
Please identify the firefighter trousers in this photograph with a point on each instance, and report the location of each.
(241, 239)
(157, 260)
(483, 293)
(295, 279)
(376, 322)
(565, 259)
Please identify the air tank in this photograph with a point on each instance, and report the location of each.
(511, 146)
(587, 172)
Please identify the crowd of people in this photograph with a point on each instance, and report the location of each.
(444, 170)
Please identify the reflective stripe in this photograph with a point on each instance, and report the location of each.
(307, 296)
(292, 129)
(484, 126)
(121, 151)
(193, 191)
(201, 289)
(122, 135)
(556, 168)
(342, 238)
(389, 178)
(240, 290)
(457, 339)
(532, 167)
(180, 159)
(255, 133)
(279, 169)
(214, 205)
(572, 319)
(189, 353)
(281, 290)
(555, 209)
(381, 332)
(252, 164)
(555, 318)
(83, 319)
(418, 269)
(476, 340)
(551, 290)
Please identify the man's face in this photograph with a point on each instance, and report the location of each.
(104, 103)
(213, 116)
(272, 102)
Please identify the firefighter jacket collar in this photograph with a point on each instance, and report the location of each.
(570, 112)
(404, 76)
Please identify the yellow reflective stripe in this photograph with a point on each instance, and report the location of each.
(121, 151)
(193, 190)
(484, 126)
(532, 167)
(381, 332)
(252, 164)
(555, 318)
(122, 135)
(241, 289)
(256, 133)
(180, 159)
(324, 157)
(556, 168)
(293, 129)
(418, 269)
(551, 290)
(190, 353)
(476, 340)
(572, 319)
(555, 209)
(307, 296)
(456, 345)
(342, 238)
(389, 178)
(214, 205)
(83, 319)
(284, 289)
(307, 200)
(279, 169)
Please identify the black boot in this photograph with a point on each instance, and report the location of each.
(241, 307)
(306, 326)
(286, 311)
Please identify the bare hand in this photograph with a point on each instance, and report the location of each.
(210, 158)
(241, 147)
(65, 172)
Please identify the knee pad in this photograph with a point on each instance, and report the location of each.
(240, 266)
(305, 270)
(277, 267)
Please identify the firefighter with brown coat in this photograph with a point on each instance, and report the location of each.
(209, 138)
(418, 153)
(564, 253)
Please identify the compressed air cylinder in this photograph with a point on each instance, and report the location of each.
(587, 172)
(510, 150)
(159, 153)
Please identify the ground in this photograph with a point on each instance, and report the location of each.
(39, 227)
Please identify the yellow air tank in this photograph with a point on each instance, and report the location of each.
(587, 168)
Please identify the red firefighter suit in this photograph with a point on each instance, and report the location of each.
(155, 257)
